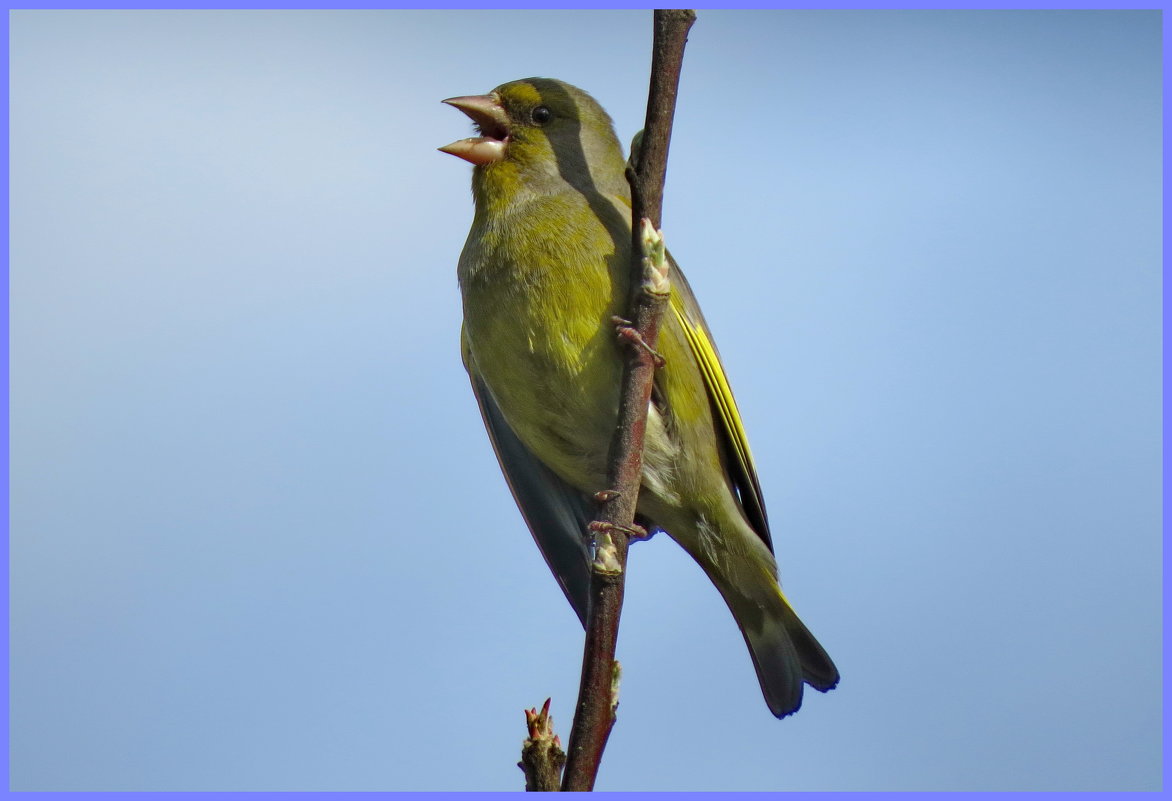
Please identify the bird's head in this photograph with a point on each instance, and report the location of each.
(543, 133)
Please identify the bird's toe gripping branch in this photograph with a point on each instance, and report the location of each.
(634, 530)
(630, 335)
(606, 558)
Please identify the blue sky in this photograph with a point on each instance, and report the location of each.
(259, 540)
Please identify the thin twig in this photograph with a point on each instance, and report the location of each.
(597, 694)
(542, 757)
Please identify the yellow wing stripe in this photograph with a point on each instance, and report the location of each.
(718, 387)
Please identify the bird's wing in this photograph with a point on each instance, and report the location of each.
(730, 430)
(556, 513)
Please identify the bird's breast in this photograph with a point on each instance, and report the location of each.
(538, 323)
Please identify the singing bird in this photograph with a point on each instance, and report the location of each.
(543, 272)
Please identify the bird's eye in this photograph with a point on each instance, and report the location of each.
(541, 115)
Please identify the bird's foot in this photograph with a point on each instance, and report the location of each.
(634, 531)
(627, 333)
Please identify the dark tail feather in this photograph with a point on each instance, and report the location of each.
(778, 665)
(818, 669)
(785, 655)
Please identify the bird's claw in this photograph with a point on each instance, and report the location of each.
(627, 333)
(635, 531)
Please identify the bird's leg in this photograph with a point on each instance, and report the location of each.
(635, 531)
(627, 333)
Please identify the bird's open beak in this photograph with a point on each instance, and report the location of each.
(493, 123)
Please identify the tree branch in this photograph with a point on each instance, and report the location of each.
(598, 692)
(542, 757)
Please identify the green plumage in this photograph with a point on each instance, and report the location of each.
(544, 270)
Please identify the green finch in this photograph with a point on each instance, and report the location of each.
(545, 269)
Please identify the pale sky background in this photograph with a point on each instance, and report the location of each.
(259, 539)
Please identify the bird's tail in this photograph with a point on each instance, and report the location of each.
(784, 652)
